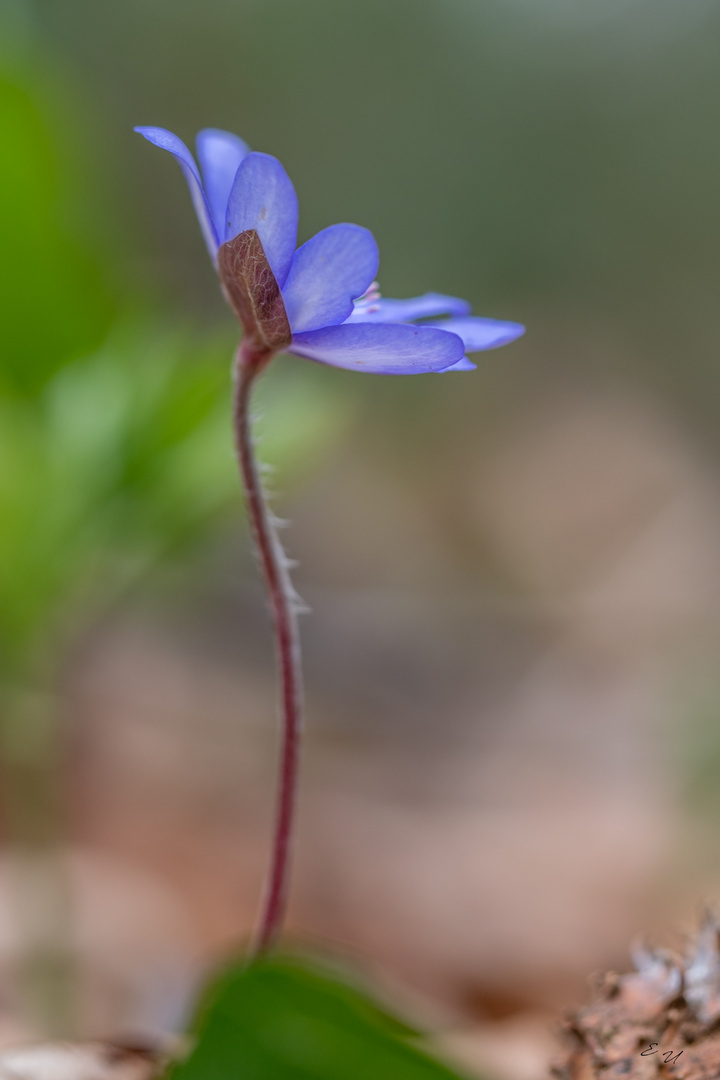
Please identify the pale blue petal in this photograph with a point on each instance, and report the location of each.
(462, 365)
(167, 141)
(479, 334)
(263, 198)
(327, 273)
(380, 349)
(219, 154)
(417, 307)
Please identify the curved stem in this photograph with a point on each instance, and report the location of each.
(287, 644)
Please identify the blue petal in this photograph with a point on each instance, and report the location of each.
(478, 334)
(418, 307)
(380, 349)
(167, 141)
(327, 273)
(462, 365)
(219, 154)
(263, 198)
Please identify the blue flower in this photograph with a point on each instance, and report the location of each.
(320, 301)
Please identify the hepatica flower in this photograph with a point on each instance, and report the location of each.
(320, 300)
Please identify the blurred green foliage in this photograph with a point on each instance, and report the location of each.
(56, 300)
(111, 459)
(123, 458)
(289, 1019)
(115, 436)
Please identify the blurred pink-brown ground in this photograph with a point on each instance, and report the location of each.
(491, 806)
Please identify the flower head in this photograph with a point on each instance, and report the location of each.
(320, 301)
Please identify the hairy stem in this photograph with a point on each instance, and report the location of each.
(287, 645)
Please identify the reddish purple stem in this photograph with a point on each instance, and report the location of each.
(287, 644)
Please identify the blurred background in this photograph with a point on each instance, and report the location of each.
(513, 747)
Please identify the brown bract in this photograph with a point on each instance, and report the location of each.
(254, 294)
(661, 1022)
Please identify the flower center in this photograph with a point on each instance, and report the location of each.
(368, 302)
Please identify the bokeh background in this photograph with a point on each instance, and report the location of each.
(513, 749)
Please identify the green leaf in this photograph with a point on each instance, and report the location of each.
(290, 1019)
